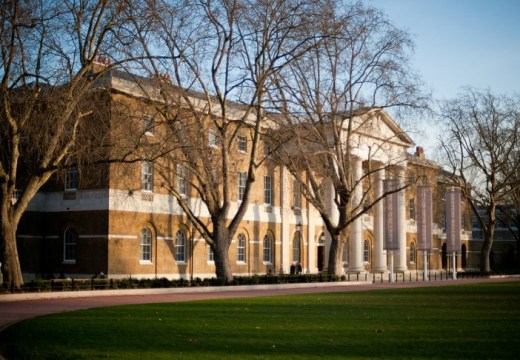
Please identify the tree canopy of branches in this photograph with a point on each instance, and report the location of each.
(48, 50)
(223, 56)
(480, 146)
(329, 97)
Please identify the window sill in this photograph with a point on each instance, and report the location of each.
(69, 262)
(241, 263)
(145, 262)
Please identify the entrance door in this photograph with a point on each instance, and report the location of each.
(321, 257)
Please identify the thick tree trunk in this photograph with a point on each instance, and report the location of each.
(221, 255)
(335, 267)
(11, 270)
(485, 253)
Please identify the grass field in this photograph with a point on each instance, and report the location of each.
(453, 322)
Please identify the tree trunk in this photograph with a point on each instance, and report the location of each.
(11, 270)
(485, 253)
(221, 255)
(335, 267)
(518, 241)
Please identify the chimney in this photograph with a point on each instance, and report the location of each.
(100, 63)
(419, 152)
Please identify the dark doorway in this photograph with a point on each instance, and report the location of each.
(321, 257)
(444, 257)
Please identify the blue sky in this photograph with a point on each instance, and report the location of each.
(461, 43)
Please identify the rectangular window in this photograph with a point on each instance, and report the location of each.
(147, 121)
(145, 245)
(211, 256)
(267, 249)
(213, 140)
(69, 245)
(242, 143)
(474, 223)
(241, 185)
(267, 150)
(297, 194)
(71, 178)
(412, 209)
(181, 179)
(268, 196)
(146, 176)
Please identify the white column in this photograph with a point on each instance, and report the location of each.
(401, 259)
(312, 216)
(286, 216)
(379, 254)
(356, 228)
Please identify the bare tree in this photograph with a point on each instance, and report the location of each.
(223, 55)
(480, 146)
(48, 85)
(332, 100)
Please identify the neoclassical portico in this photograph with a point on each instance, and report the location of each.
(381, 142)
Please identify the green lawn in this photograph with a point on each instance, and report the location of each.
(472, 321)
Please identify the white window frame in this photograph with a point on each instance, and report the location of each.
(267, 250)
(242, 143)
(213, 140)
(366, 251)
(70, 178)
(297, 194)
(145, 246)
(241, 248)
(146, 176)
(70, 243)
(411, 209)
(268, 190)
(148, 125)
(211, 255)
(241, 185)
(180, 246)
(182, 186)
(412, 253)
(297, 248)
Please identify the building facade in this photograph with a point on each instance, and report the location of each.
(121, 219)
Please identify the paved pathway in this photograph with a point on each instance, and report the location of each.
(17, 307)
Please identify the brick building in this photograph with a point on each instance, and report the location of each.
(121, 219)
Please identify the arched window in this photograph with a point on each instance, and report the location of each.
(412, 252)
(146, 245)
(180, 246)
(241, 248)
(297, 247)
(267, 249)
(366, 251)
(69, 245)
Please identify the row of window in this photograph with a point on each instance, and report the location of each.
(145, 246)
(182, 184)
